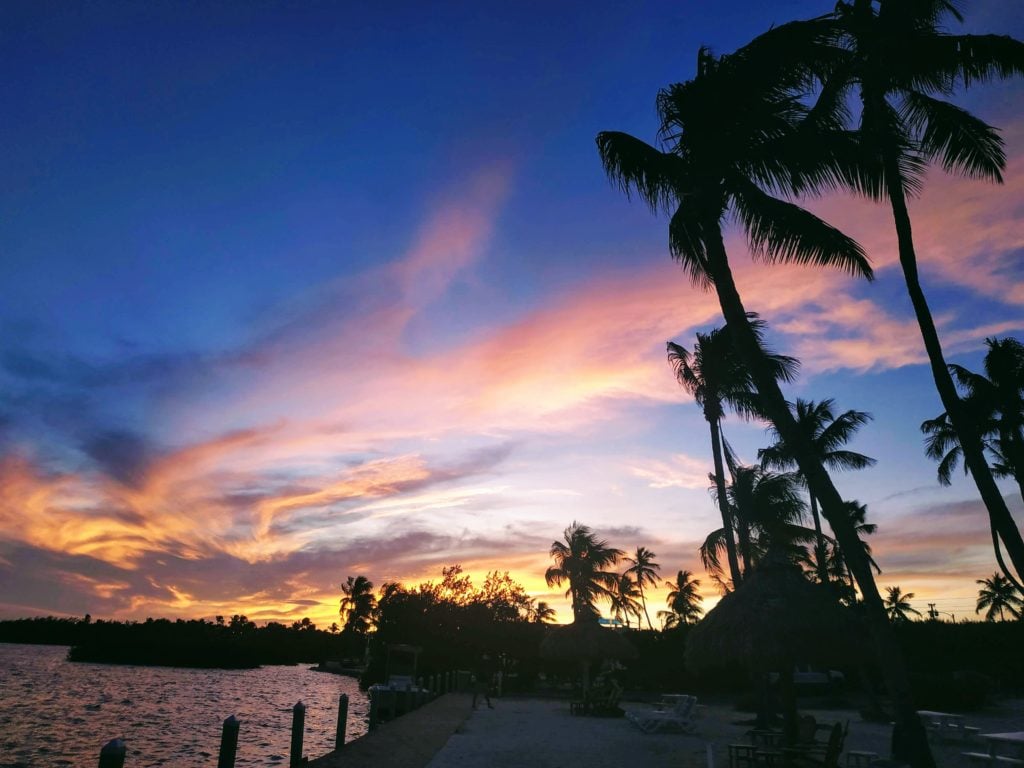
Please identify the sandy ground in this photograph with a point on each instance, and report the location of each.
(539, 733)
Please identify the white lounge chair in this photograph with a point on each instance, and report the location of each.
(679, 718)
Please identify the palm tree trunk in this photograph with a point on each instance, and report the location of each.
(819, 552)
(912, 744)
(643, 602)
(963, 425)
(723, 503)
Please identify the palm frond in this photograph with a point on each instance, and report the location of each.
(960, 141)
(780, 231)
(686, 240)
(635, 166)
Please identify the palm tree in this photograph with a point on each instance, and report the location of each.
(995, 401)
(683, 600)
(827, 433)
(714, 375)
(995, 405)
(838, 569)
(580, 560)
(896, 56)
(998, 594)
(729, 135)
(542, 613)
(644, 571)
(358, 604)
(897, 605)
(623, 596)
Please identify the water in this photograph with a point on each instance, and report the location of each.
(56, 713)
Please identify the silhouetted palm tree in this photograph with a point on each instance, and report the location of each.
(897, 604)
(358, 604)
(827, 433)
(838, 569)
(623, 597)
(683, 600)
(732, 136)
(995, 404)
(897, 56)
(542, 613)
(998, 594)
(581, 560)
(644, 571)
(714, 375)
(995, 400)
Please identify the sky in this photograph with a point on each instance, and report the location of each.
(298, 291)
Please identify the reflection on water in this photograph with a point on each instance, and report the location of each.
(54, 713)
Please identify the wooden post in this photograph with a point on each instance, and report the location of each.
(228, 743)
(298, 728)
(339, 737)
(112, 754)
(374, 709)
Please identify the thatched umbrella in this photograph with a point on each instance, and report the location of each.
(585, 641)
(775, 619)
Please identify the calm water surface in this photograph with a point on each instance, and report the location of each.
(55, 713)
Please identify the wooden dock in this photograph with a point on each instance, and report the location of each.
(409, 741)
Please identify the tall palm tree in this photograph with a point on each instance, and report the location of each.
(357, 604)
(730, 137)
(644, 571)
(581, 560)
(623, 598)
(901, 61)
(998, 594)
(715, 376)
(827, 433)
(897, 604)
(683, 600)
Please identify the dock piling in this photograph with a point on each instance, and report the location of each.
(112, 754)
(228, 743)
(339, 737)
(298, 727)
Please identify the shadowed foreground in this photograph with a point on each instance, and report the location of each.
(540, 733)
(409, 741)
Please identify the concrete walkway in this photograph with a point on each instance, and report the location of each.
(409, 741)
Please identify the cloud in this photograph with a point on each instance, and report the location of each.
(336, 440)
(680, 471)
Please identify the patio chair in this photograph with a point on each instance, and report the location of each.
(828, 759)
(679, 718)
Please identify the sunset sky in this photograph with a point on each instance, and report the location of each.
(298, 291)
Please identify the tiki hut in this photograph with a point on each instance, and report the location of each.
(773, 621)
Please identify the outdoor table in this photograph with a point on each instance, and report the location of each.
(668, 701)
(763, 738)
(741, 755)
(1015, 738)
(942, 721)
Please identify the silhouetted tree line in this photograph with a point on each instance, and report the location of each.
(235, 643)
(957, 666)
(458, 626)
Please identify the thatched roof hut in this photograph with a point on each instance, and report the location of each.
(774, 619)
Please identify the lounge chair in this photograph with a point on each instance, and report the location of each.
(679, 718)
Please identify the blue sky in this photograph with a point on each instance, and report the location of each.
(296, 291)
